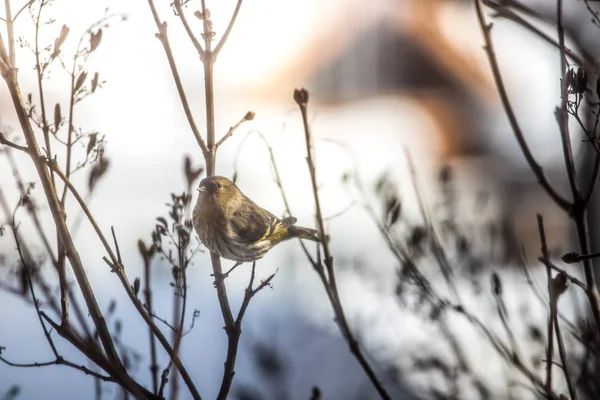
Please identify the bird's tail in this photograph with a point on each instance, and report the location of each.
(303, 233)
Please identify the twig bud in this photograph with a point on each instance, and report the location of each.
(80, 81)
(57, 117)
(94, 82)
(59, 41)
(95, 39)
(570, 258)
(559, 285)
(301, 96)
(496, 284)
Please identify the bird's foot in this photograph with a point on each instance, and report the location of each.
(221, 277)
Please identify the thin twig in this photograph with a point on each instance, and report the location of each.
(120, 271)
(301, 98)
(5, 141)
(553, 324)
(248, 117)
(164, 39)
(188, 29)
(535, 167)
(551, 317)
(225, 36)
(26, 5)
(562, 115)
(152, 339)
(10, 28)
(10, 77)
(503, 10)
(59, 361)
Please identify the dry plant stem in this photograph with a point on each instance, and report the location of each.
(577, 209)
(535, 167)
(115, 365)
(301, 97)
(209, 148)
(397, 250)
(70, 129)
(152, 339)
(11, 32)
(180, 308)
(552, 315)
(79, 313)
(59, 360)
(571, 278)
(46, 289)
(188, 29)
(553, 323)
(562, 116)
(10, 77)
(228, 29)
(117, 267)
(503, 10)
(5, 141)
(436, 246)
(286, 203)
(60, 265)
(99, 359)
(579, 212)
(232, 329)
(164, 40)
(509, 356)
(231, 130)
(40, 85)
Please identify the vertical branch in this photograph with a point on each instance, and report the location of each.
(118, 268)
(147, 257)
(578, 208)
(562, 115)
(533, 164)
(11, 33)
(301, 97)
(40, 83)
(179, 309)
(163, 36)
(551, 314)
(556, 287)
(10, 77)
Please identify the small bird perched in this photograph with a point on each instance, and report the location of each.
(234, 227)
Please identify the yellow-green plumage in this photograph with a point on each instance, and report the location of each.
(234, 227)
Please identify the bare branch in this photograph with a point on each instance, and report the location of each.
(186, 25)
(25, 6)
(228, 30)
(301, 97)
(553, 322)
(164, 39)
(5, 141)
(535, 167)
(10, 28)
(248, 117)
(117, 267)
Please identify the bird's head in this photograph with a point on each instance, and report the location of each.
(218, 187)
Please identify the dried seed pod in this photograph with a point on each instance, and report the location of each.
(496, 284)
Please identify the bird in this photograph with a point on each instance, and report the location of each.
(232, 226)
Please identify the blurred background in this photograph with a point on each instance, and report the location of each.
(386, 78)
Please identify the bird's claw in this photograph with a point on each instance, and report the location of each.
(221, 277)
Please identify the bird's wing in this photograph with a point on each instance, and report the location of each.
(251, 224)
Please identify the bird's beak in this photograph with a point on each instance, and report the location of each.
(201, 189)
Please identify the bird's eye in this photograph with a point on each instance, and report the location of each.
(220, 185)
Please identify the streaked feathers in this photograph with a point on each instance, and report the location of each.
(234, 227)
